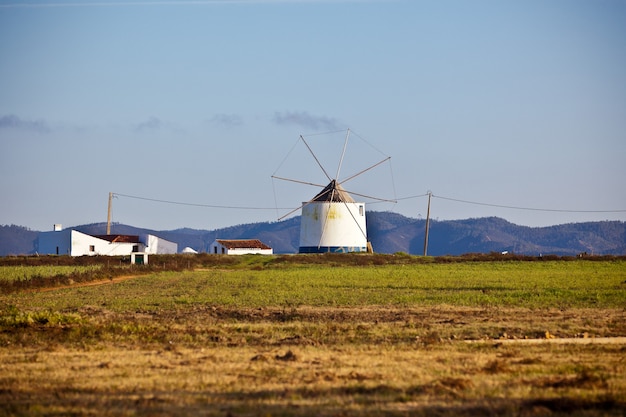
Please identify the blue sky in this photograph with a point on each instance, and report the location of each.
(502, 103)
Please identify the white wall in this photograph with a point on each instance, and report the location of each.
(154, 245)
(333, 226)
(253, 251)
(75, 243)
(82, 243)
(221, 249)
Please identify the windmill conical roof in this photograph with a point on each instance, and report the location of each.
(333, 192)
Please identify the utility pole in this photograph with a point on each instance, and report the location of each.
(109, 214)
(427, 225)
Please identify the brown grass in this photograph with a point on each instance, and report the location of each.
(213, 360)
(311, 380)
(311, 361)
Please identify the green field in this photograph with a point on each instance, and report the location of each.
(554, 284)
(25, 272)
(385, 335)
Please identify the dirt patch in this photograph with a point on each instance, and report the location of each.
(113, 280)
(620, 340)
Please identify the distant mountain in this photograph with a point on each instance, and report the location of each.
(492, 234)
(389, 233)
(16, 240)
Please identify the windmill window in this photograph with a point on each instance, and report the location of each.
(361, 209)
(92, 248)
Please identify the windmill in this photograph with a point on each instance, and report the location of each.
(333, 221)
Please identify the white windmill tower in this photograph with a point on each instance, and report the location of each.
(333, 221)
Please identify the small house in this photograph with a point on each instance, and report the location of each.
(74, 243)
(240, 247)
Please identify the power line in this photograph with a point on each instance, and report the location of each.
(527, 208)
(232, 207)
(509, 207)
(180, 203)
(411, 197)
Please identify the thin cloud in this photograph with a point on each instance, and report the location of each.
(11, 121)
(227, 120)
(152, 124)
(306, 120)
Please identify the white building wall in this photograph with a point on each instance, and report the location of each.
(156, 245)
(217, 248)
(83, 244)
(249, 251)
(75, 243)
(333, 227)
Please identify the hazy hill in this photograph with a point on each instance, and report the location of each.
(16, 240)
(389, 233)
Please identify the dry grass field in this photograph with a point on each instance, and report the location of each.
(262, 338)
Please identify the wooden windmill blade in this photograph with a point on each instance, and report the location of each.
(332, 221)
(297, 181)
(315, 157)
(298, 208)
(365, 170)
(382, 200)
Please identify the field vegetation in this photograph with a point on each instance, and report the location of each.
(345, 335)
(10, 274)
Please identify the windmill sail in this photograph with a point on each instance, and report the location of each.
(333, 221)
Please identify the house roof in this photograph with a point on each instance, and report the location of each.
(334, 193)
(242, 244)
(119, 238)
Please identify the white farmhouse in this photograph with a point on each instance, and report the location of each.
(75, 243)
(240, 247)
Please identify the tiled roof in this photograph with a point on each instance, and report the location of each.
(119, 238)
(242, 244)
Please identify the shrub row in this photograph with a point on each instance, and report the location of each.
(112, 267)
